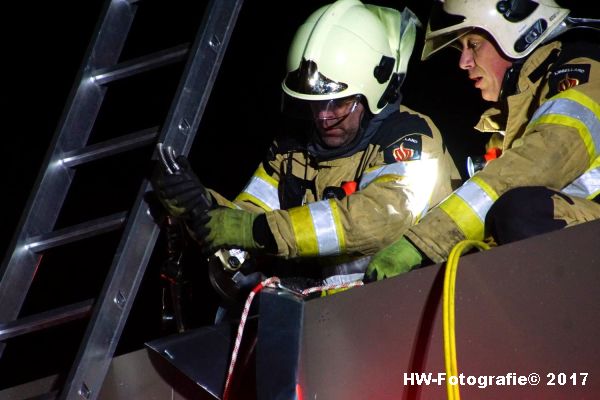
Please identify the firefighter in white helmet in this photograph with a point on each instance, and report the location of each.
(544, 79)
(366, 170)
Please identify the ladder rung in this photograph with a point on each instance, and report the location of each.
(76, 232)
(111, 147)
(140, 64)
(45, 319)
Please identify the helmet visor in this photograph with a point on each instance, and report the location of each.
(439, 29)
(436, 43)
(439, 19)
(308, 80)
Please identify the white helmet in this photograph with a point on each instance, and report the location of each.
(517, 26)
(348, 48)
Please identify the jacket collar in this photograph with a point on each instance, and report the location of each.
(500, 117)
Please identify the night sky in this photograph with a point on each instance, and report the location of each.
(43, 45)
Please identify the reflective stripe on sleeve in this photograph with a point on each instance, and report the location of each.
(261, 190)
(343, 279)
(398, 168)
(418, 177)
(587, 186)
(468, 206)
(318, 229)
(573, 109)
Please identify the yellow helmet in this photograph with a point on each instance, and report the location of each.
(349, 48)
(517, 26)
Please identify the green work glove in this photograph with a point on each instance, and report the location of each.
(226, 228)
(395, 259)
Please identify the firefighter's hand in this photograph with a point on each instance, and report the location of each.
(395, 259)
(226, 228)
(181, 193)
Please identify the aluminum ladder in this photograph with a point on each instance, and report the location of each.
(69, 150)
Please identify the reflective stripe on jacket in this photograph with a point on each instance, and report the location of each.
(393, 193)
(552, 139)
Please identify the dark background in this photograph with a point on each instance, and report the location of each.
(43, 45)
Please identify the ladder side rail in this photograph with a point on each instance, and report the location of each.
(137, 242)
(206, 56)
(114, 304)
(51, 186)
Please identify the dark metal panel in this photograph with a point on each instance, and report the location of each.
(134, 376)
(139, 376)
(357, 343)
(202, 355)
(278, 344)
(40, 389)
(528, 307)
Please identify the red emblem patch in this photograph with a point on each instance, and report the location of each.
(567, 83)
(402, 154)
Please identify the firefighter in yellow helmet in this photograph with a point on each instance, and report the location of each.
(544, 79)
(366, 170)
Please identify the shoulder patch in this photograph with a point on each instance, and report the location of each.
(407, 148)
(399, 125)
(564, 73)
(567, 76)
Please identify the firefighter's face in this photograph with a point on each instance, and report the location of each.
(338, 121)
(484, 63)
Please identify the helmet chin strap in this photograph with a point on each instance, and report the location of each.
(511, 77)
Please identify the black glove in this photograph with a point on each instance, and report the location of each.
(181, 193)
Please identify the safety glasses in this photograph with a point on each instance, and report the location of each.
(335, 109)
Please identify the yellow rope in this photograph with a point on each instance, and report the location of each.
(448, 312)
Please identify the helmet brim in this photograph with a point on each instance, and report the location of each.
(435, 43)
